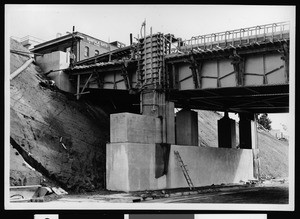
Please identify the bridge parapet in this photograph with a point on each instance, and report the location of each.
(238, 37)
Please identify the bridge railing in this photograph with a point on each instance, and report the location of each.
(241, 36)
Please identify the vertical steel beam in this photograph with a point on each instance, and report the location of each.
(194, 68)
(175, 83)
(238, 66)
(78, 86)
(285, 58)
(100, 80)
(199, 73)
(115, 84)
(218, 74)
(265, 81)
(126, 78)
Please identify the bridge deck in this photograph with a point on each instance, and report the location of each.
(256, 99)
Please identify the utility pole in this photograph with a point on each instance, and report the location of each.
(72, 45)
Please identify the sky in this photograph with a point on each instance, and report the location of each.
(116, 22)
(279, 121)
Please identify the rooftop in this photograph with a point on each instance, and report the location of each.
(77, 35)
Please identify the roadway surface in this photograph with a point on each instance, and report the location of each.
(267, 194)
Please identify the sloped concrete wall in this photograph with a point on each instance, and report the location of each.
(55, 61)
(131, 166)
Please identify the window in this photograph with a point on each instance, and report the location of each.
(96, 52)
(86, 51)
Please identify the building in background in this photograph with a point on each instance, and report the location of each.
(118, 44)
(84, 46)
(29, 41)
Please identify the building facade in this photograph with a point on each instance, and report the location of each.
(84, 46)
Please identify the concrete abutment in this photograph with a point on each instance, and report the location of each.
(131, 158)
(53, 63)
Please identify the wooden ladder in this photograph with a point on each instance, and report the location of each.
(184, 170)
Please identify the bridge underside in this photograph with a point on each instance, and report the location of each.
(255, 99)
(114, 101)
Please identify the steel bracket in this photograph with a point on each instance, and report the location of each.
(238, 66)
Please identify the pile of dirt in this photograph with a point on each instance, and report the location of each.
(56, 135)
(273, 153)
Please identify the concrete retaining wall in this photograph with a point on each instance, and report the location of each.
(207, 165)
(131, 166)
(54, 61)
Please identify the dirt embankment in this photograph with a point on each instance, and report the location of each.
(64, 136)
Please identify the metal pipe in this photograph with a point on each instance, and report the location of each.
(21, 52)
(19, 70)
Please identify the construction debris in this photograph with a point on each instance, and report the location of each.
(59, 191)
(35, 193)
(48, 84)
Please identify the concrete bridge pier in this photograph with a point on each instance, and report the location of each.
(187, 127)
(247, 131)
(226, 132)
(248, 139)
(154, 104)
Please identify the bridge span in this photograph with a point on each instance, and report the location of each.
(237, 71)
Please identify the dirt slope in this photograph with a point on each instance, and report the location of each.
(55, 133)
(273, 152)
